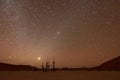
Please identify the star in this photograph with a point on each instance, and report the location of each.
(9, 57)
(58, 33)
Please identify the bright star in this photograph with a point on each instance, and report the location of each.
(58, 33)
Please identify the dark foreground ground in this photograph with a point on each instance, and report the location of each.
(60, 75)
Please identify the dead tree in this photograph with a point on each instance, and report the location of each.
(43, 68)
(47, 66)
(53, 65)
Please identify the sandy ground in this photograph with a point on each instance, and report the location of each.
(59, 75)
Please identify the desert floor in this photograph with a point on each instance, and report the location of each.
(60, 75)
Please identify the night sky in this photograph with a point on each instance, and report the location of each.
(76, 33)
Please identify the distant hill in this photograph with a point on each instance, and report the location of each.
(113, 64)
(11, 67)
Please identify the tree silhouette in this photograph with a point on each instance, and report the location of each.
(53, 63)
(47, 66)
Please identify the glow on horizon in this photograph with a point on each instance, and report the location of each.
(39, 58)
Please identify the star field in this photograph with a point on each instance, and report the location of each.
(76, 33)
